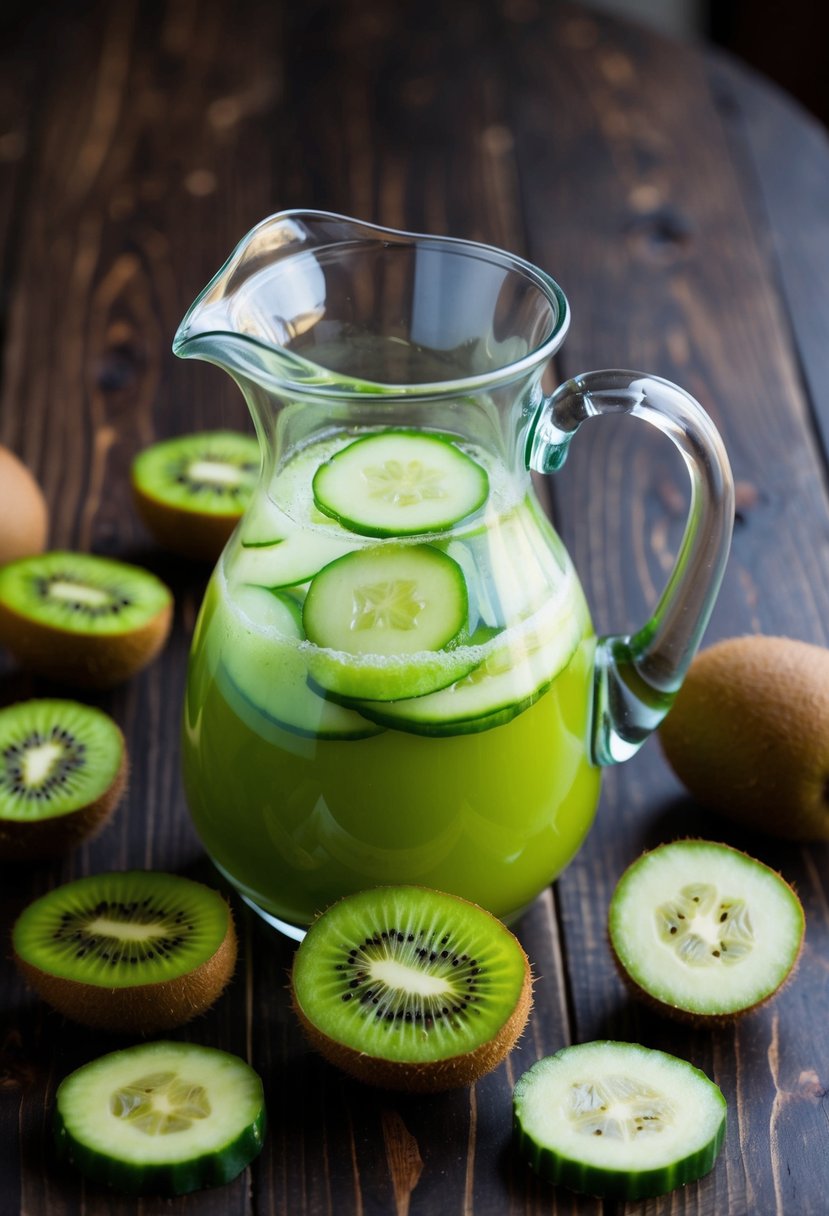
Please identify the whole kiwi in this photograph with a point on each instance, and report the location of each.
(748, 734)
(22, 510)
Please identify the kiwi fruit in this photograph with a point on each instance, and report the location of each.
(63, 770)
(704, 932)
(135, 951)
(22, 510)
(191, 491)
(83, 620)
(748, 734)
(411, 989)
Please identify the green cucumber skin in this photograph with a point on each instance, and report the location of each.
(179, 1178)
(611, 1184)
(442, 729)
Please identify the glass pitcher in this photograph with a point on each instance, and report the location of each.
(394, 677)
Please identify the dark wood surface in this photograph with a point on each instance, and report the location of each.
(683, 206)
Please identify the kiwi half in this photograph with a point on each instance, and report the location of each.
(191, 491)
(134, 951)
(85, 620)
(408, 988)
(63, 769)
(704, 932)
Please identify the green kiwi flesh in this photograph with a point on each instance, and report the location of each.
(63, 769)
(192, 490)
(135, 951)
(704, 932)
(408, 988)
(86, 620)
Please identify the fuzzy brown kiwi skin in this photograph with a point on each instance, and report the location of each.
(41, 839)
(97, 661)
(430, 1077)
(141, 1008)
(748, 734)
(691, 1017)
(200, 537)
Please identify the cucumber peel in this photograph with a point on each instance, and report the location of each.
(618, 1120)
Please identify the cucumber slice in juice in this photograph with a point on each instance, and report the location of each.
(266, 668)
(618, 1120)
(294, 559)
(400, 483)
(161, 1118)
(513, 672)
(387, 621)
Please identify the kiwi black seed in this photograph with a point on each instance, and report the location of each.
(408, 988)
(191, 491)
(82, 620)
(135, 951)
(63, 770)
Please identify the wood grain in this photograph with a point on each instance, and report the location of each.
(155, 136)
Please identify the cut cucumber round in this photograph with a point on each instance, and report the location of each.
(400, 483)
(268, 670)
(703, 931)
(618, 1120)
(285, 562)
(161, 1118)
(514, 672)
(388, 620)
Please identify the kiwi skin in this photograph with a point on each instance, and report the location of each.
(22, 509)
(693, 1017)
(198, 537)
(748, 734)
(42, 839)
(140, 1008)
(434, 1076)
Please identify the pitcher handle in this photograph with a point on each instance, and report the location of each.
(638, 675)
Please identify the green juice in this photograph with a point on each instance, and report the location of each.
(301, 795)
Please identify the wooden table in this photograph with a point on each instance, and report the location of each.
(684, 207)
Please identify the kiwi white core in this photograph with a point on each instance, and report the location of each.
(211, 471)
(412, 980)
(40, 762)
(79, 593)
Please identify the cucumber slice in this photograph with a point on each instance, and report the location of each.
(294, 559)
(704, 931)
(400, 483)
(513, 672)
(388, 620)
(267, 669)
(618, 1120)
(161, 1118)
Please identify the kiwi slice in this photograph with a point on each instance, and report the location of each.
(85, 620)
(408, 988)
(191, 491)
(704, 932)
(618, 1120)
(134, 951)
(161, 1118)
(63, 769)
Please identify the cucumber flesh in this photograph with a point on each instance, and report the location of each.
(618, 1120)
(388, 621)
(161, 1118)
(400, 483)
(267, 670)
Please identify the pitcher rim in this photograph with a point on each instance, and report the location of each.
(339, 386)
